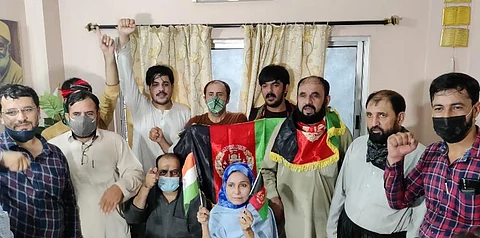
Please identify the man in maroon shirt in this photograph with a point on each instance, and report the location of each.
(448, 173)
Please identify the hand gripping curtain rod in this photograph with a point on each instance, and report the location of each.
(393, 20)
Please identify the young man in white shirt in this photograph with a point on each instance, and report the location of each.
(359, 206)
(104, 170)
(156, 122)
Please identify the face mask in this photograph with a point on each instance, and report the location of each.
(83, 126)
(21, 136)
(168, 184)
(452, 129)
(215, 105)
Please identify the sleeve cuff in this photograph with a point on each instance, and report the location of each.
(135, 208)
(271, 192)
(112, 91)
(125, 192)
(396, 165)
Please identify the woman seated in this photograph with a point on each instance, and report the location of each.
(233, 216)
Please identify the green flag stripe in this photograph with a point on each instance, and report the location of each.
(190, 193)
(263, 132)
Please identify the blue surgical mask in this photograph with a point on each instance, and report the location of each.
(168, 184)
(21, 136)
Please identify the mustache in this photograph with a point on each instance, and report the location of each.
(160, 93)
(25, 123)
(376, 128)
(271, 95)
(309, 106)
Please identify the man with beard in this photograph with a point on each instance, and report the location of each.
(104, 170)
(301, 161)
(274, 81)
(167, 117)
(10, 71)
(359, 207)
(447, 174)
(217, 95)
(35, 185)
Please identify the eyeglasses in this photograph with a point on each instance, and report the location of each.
(14, 111)
(85, 158)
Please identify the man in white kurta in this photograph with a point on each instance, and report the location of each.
(104, 170)
(160, 112)
(359, 207)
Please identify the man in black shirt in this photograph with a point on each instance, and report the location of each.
(159, 203)
(274, 81)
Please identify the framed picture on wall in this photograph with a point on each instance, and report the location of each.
(10, 58)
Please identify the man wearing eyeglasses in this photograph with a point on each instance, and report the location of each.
(35, 185)
(104, 170)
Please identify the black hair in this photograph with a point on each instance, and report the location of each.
(80, 96)
(457, 81)
(69, 85)
(227, 87)
(167, 154)
(161, 70)
(397, 100)
(16, 91)
(272, 73)
(322, 81)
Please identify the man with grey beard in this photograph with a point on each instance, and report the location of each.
(359, 206)
(10, 71)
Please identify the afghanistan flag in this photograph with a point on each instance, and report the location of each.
(213, 148)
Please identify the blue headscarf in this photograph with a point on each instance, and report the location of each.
(235, 167)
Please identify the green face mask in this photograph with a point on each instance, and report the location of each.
(215, 105)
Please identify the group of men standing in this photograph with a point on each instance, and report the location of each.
(86, 181)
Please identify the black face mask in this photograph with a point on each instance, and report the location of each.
(452, 129)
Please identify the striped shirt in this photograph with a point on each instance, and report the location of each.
(40, 200)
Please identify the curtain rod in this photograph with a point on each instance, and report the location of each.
(393, 20)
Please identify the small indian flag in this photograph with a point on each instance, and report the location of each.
(190, 181)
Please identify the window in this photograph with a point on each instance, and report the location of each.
(344, 70)
(227, 58)
(345, 66)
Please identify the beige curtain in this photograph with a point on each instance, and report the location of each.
(299, 48)
(186, 50)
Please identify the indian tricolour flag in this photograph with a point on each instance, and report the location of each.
(212, 148)
(190, 181)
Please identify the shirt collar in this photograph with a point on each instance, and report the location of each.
(11, 144)
(473, 151)
(98, 135)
